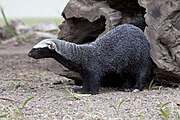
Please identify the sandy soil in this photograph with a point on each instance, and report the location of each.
(27, 92)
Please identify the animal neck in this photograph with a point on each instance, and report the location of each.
(69, 54)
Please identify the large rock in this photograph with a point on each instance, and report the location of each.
(163, 30)
(86, 20)
(25, 33)
(19, 26)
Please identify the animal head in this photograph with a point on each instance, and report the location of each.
(43, 49)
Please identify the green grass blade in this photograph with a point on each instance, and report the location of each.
(164, 114)
(4, 16)
(19, 110)
(120, 104)
(9, 29)
(141, 117)
(74, 95)
(151, 85)
(164, 105)
(24, 103)
(115, 109)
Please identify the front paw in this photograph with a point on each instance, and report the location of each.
(81, 90)
(93, 92)
(85, 91)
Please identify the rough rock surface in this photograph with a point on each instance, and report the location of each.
(163, 30)
(86, 20)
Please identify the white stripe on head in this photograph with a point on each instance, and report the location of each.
(43, 44)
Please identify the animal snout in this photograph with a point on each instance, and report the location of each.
(30, 54)
(34, 54)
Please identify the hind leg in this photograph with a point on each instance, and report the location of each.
(126, 83)
(140, 79)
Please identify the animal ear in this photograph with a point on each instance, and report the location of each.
(52, 46)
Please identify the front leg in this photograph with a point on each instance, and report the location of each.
(91, 84)
(94, 83)
(85, 87)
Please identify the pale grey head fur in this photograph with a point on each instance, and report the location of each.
(46, 43)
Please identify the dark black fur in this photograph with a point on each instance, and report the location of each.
(123, 51)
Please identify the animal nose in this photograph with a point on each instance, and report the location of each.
(29, 54)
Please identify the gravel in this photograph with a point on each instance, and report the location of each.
(25, 81)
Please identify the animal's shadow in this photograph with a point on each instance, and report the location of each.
(115, 81)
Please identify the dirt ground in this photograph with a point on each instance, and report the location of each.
(27, 92)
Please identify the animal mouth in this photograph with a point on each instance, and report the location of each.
(32, 55)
